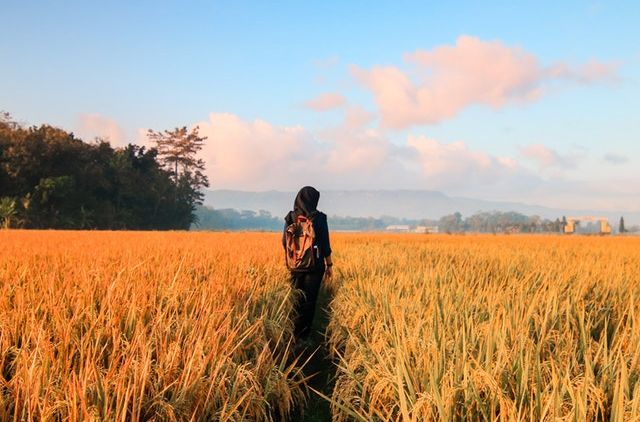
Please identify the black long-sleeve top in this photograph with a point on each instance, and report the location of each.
(321, 229)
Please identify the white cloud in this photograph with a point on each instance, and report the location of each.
(95, 125)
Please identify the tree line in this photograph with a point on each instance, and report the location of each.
(499, 222)
(49, 178)
(480, 222)
(230, 219)
(513, 222)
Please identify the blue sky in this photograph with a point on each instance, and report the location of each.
(560, 129)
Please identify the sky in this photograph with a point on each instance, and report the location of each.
(533, 102)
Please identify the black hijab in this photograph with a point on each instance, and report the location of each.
(306, 201)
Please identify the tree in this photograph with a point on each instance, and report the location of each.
(450, 223)
(557, 226)
(621, 228)
(533, 222)
(178, 151)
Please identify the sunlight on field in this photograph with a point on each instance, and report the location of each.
(488, 328)
(142, 325)
(136, 326)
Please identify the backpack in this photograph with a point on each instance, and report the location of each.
(299, 239)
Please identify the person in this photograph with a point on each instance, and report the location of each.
(308, 282)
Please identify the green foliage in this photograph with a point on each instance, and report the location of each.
(8, 211)
(230, 219)
(55, 180)
(499, 222)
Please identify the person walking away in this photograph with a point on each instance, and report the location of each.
(308, 255)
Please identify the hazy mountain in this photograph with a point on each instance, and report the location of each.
(397, 203)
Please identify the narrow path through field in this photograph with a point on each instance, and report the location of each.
(320, 365)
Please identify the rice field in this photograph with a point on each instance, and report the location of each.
(197, 326)
(144, 326)
(505, 328)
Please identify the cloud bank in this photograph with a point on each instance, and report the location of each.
(256, 155)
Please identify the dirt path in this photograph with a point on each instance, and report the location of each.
(317, 408)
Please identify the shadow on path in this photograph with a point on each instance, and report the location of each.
(321, 367)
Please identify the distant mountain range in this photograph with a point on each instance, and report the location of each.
(412, 204)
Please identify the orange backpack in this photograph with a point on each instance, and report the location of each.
(299, 238)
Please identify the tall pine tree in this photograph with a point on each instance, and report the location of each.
(178, 150)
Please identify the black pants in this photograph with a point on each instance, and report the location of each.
(308, 286)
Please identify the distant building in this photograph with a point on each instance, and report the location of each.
(602, 226)
(400, 228)
(426, 229)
